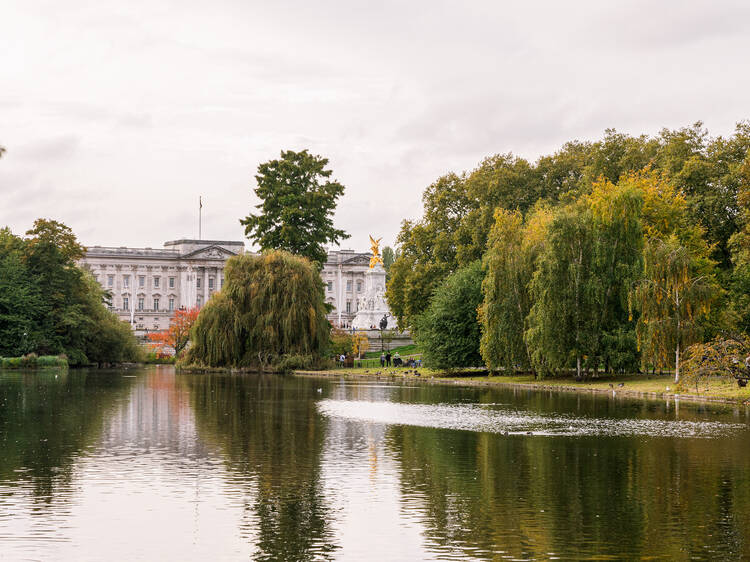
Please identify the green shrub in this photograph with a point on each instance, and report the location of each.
(52, 361)
(448, 331)
(31, 361)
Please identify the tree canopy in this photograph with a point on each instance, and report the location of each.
(708, 173)
(297, 204)
(269, 314)
(49, 306)
(448, 331)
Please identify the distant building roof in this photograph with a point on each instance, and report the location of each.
(205, 242)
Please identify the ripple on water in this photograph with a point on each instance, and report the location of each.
(476, 417)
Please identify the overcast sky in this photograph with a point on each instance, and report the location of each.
(117, 115)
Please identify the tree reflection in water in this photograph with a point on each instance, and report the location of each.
(272, 437)
(47, 420)
(576, 497)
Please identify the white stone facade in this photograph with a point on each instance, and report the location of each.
(344, 279)
(151, 284)
(185, 273)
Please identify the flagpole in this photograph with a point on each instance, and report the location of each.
(200, 211)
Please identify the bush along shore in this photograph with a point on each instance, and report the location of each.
(631, 385)
(32, 361)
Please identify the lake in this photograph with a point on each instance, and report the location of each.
(145, 464)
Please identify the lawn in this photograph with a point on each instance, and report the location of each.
(634, 384)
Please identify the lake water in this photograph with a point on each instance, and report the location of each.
(149, 465)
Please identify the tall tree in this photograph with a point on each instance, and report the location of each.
(49, 306)
(509, 263)
(671, 298)
(271, 310)
(740, 247)
(448, 331)
(20, 301)
(427, 249)
(389, 256)
(562, 324)
(617, 212)
(297, 205)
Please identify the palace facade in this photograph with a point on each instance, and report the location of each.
(148, 285)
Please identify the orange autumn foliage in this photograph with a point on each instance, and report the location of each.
(178, 333)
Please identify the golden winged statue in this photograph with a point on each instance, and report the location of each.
(375, 246)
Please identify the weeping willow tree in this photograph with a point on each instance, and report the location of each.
(269, 314)
(671, 298)
(509, 264)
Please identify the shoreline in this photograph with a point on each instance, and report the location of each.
(562, 386)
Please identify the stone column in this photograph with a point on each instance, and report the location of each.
(205, 285)
(340, 294)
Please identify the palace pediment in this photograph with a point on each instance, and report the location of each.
(210, 253)
(359, 259)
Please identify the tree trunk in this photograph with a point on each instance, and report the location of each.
(677, 349)
(578, 366)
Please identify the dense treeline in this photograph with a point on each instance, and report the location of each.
(612, 254)
(50, 306)
(270, 314)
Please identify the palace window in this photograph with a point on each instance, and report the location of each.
(198, 302)
(171, 282)
(126, 281)
(110, 280)
(140, 304)
(125, 303)
(156, 304)
(359, 286)
(349, 286)
(210, 282)
(348, 306)
(141, 281)
(156, 282)
(198, 282)
(171, 304)
(330, 286)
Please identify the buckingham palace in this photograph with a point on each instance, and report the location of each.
(148, 285)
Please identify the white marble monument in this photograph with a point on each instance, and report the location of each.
(371, 306)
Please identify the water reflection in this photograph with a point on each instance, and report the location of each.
(145, 465)
(272, 437)
(503, 418)
(48, 420)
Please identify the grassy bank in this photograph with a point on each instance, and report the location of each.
(32, 361)
(643, 386)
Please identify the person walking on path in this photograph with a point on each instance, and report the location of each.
(382, 359)
(388, 359)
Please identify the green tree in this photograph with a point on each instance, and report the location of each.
(739, 244)
(617, 212)
(708, 171)
(448, 331)
(48, 305)
(20, 302)
(298, 202)
(562, 325)
(671, 298)
(427, 249)
(389, 256)
(270, 311)
(509, 263)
